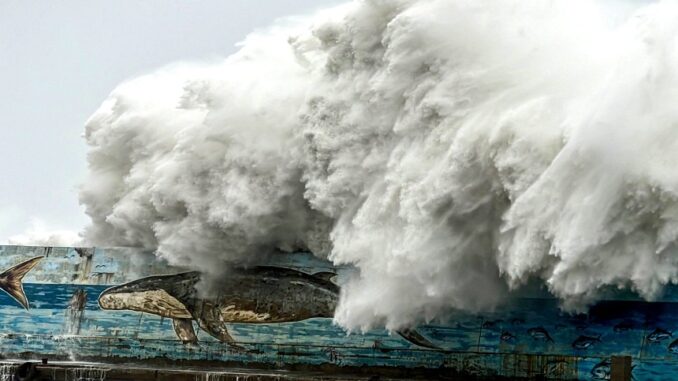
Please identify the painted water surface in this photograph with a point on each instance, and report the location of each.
(66, 318)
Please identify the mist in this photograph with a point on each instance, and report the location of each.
(449, 151)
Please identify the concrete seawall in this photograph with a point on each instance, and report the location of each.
(528, 337)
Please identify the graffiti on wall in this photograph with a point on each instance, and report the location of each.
(99, 304)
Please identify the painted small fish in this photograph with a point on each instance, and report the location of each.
(507, 336)
(658, 335)
(517, 321)
(623, 326)
(673, 347)
(10, 280)
(584, 342)
(539, 333)
(489, 324)
(601, 371)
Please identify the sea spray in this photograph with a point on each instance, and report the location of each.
(449, 151)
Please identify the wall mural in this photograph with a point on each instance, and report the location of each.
(121, 304)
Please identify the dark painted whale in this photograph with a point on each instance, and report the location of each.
(258, 295)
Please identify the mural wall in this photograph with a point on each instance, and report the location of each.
(126, 305)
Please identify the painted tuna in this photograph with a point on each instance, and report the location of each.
(10, 280)
(659, 334)
(601, 371)
(491, 324)
(507, 336)
(517, 321)
(584, 342)
(539, 333)
(673, 347)
(258, 295)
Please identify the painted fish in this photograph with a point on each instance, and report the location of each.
(490, 324)
(10, 280)
(507, 336)
(601, 371)
(258, 295)
(517, 321)
(673, 347)
(539, 333)
(658, 335)
(584, 342)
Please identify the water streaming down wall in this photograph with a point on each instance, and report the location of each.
(86, 373)
(72, 373)
(218, 376)
(7, 371)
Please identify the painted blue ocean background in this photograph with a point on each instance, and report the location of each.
(50, 327)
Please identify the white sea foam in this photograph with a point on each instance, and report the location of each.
(448, 150)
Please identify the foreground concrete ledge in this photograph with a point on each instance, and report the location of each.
(95, 369)
(63, 371)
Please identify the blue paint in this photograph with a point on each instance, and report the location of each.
(570, 346)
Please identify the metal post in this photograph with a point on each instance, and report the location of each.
(620, 368)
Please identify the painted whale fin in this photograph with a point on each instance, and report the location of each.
(218, 331)
(416, 338)
(325, 275)
(10, 280)
(184, 330)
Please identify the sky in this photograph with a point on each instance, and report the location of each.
(59, 61)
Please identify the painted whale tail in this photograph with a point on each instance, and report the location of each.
(416, 338)
(10, 280)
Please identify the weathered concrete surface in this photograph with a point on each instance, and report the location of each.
(67, 371)
(527, 338)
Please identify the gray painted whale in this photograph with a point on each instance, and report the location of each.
(258, 295)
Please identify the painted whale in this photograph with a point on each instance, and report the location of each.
(258, 295)
(10, 280)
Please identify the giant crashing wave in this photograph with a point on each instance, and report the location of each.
(449, 151)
